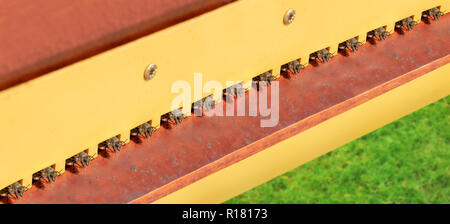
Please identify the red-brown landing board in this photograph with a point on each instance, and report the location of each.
(37, 37)
(172, 159)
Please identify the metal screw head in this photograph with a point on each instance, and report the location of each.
(289, 17)
(150, 71)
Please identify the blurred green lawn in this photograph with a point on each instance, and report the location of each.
(407, 161)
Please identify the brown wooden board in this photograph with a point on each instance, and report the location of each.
(37, 37)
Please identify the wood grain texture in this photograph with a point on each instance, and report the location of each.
(175, 158)
(303, 125)
(40, 36)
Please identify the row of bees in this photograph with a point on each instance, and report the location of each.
(174, 118)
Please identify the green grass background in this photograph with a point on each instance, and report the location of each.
(407, 161)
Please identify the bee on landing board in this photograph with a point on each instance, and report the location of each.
(114, 144)
(15, 189)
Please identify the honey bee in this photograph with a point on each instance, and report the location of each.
(197, 108)
(380, 33)
(206, 104)
(265, 77)
(48, 173)
(434, 14)
(175, 117)
(209, 103)
(113, 144)
(293, 67)
(145, 130)
(234, 91)
(81, 159)
(352, 45)
(407, 24)
(323, 56)
(15, 189)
